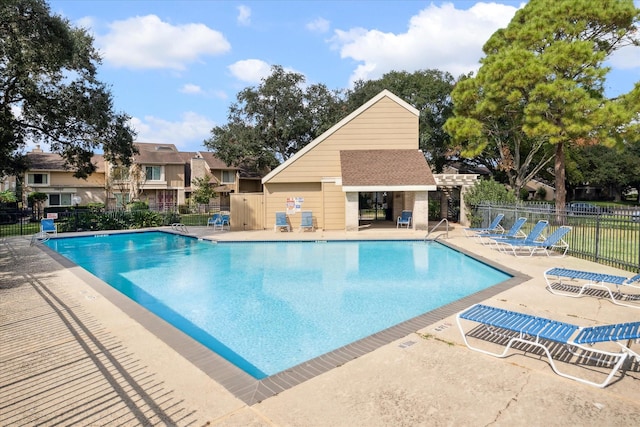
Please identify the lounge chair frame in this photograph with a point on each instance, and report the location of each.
(551, 245)
(543, 333)
(515, 232)
(493, 228)
(586, 280)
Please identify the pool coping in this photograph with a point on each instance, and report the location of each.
(251, 390)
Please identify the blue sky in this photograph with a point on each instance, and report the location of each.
(176, 66)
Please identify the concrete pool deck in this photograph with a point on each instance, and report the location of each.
(69, 355)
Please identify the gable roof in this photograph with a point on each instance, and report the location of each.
(55, 162)
(337, 126)
(385, 170)
(161, 154)
(214, 162)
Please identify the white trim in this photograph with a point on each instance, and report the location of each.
(334, 128)
(337, 180)
(371, 188)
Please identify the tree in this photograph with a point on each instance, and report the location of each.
(269, 123)
(429, 91)
(541, 86)
(49, 92)
(203, 190)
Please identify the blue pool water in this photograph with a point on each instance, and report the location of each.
(268, 306)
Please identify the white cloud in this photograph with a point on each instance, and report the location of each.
(187, 134)
(244, 15)
(626, 58)
(319, 25)
(439, 37)
(250, 70)
(190, 88)
(148, 42)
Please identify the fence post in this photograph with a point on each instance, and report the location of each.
(597, 249)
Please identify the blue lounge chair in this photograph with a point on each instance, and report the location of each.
(404, 219)
(534, 235)
(281, 222)
(494, 227)
(515, 232)
(585, 280)
(548, 246)
(48, 226)
(215, 221)
(306, 223)
(545, 334)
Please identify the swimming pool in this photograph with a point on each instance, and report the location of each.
(268, 306)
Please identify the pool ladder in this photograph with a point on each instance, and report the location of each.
(179, 227)
(445, 233)
(39, 238)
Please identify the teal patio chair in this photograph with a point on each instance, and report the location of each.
(306, 223)
(281, 222)
(404, 219)
(48, 226)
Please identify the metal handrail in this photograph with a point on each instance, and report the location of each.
(179, 227)
(446, 233)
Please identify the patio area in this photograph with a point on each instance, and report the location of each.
(69, 355)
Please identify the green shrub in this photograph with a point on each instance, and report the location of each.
(486, 191)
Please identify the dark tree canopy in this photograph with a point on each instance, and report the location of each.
(429, 91)
(49, 92)
(271, 122)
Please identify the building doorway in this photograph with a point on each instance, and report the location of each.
(375, 206)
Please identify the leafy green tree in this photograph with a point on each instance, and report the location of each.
(429, 91)
(541, 86)
(615, 170)
(49, 92)
(7, 196)
(203, 192)
(269, 123)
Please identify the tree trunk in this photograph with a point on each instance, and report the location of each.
(559, 170)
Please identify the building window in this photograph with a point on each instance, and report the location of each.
(122, 200)
(228, 177)
(38, 179)
(62, 199)
(153, 173)
(120, 173)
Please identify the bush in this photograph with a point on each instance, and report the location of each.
(524, 194)
(486, 191)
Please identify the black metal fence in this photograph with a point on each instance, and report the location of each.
(608, 236)
(24, 222)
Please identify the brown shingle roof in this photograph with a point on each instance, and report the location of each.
(55, 162)
(214, 162)
(160, 154)
(385, 168)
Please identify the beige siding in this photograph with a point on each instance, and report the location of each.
(68, 180)
(174, 175)
(247, 212)
(333, 206)
(385, 125)
(276, 201)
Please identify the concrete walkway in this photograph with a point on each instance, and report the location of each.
(70, 356)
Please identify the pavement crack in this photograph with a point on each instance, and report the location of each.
(513, 399)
